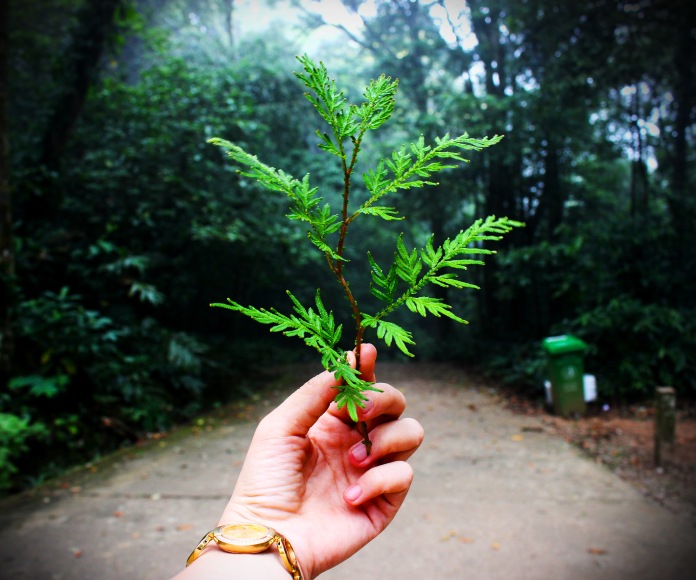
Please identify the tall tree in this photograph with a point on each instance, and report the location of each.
(683, 25)
(95, 23)
(7, 268)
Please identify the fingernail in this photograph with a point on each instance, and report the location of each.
(352, 493)
(359, 452)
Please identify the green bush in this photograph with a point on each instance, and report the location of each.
(615, 283)
(15, 433)
(94, 383)
(120, 249)
(636, 347)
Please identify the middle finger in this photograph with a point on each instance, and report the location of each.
(381, 406)
(393, 441)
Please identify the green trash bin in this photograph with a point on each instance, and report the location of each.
(565, 367)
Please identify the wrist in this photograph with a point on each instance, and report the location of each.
(236, 513)
(247, 538)
(214, 564)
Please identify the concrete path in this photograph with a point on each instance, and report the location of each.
(494, 497)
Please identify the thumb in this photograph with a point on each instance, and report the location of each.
(302, 409)
(296, 415)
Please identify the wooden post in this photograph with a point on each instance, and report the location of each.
(665, 422)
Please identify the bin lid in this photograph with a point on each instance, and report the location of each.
(562, 344)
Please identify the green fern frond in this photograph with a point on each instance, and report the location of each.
(405, 281)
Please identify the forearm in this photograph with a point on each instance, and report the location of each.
(214, 564)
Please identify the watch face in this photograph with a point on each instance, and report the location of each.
(245, 536)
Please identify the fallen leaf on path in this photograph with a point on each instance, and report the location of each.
(495, 546)
(464, 540)
(118, 514)
(596, 551)
(184, 527)
(76, 552)
(517, 437)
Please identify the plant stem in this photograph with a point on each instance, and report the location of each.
(347, 173)
(362, 425)
(337, 268)
(362, 429)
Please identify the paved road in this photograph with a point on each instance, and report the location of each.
(493, 498)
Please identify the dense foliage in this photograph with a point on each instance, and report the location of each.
(119, 223)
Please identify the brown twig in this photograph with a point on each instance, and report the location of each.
(337, 268)
(362, 429)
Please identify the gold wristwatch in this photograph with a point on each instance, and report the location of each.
(249, 539)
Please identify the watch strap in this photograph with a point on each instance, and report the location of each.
(288, 557)
(201, 546)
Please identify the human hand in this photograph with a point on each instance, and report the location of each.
(307, 474)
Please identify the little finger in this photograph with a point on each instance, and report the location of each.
(389, 479)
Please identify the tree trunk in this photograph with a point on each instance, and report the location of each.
(684, 55)
(229, 23)
(553, 194)
(498, 201)
(7, 270)
(639, 174)
(95, 23)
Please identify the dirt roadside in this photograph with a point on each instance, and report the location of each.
(622, 439)
(497, 495)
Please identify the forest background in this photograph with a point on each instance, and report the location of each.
(119, 224)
